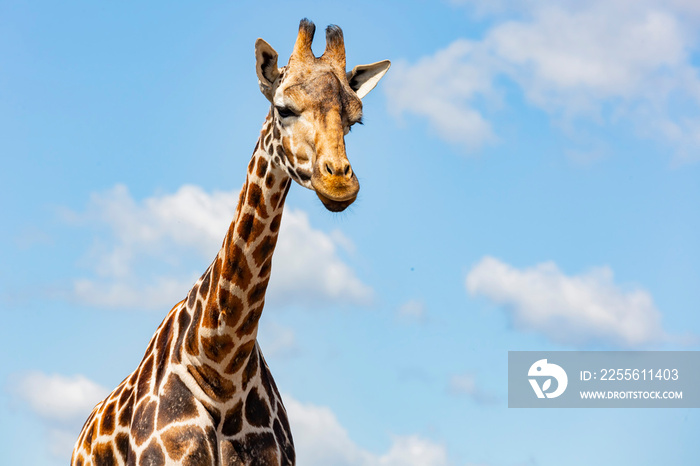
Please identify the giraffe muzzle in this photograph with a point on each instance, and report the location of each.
(335, 184)
(335, 206)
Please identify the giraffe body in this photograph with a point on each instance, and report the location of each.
(203, 393)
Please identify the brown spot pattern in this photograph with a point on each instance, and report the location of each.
(264, 249)
(152, 455)
(258, 449)
(143, 423)
(261, 169)
(231, 307)
(265, 269)
(89, 434)
(176, 442)
(257, 412)
(250, 369)
(124, 392)
(164, 340)
(144, 382)
(126, 409)
(104, 455)
(240, 357)
(266, 378)
(257, 293)
(233, 422)
(215, 275)
(236, 269)
(213, 442)
(204, 286)
(284, 194)
(214, 384)
(217, 347)
(211, 317)
(183, 322)
(108, 419)
(177, 402)
(188, 443)
(282, 416)
(275, 223)
(134, 376)
(250, 322)
(122, 442)
(192, 296)
(256, 199)
(284, 440)
(192, 343)
(245, 227)
(241, 197)
(229, 455)
(275, 199)
(304, 175)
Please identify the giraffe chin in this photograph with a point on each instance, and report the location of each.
(335, 206)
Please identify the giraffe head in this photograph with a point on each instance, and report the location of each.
(315, 102)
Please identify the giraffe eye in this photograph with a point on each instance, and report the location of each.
(285, 112)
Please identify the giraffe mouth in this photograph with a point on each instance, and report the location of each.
(333, 205)
(335, 192)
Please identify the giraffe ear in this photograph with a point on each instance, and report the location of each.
(266, 67)
(363, 78)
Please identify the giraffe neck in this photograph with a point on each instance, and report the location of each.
(203, 391)
(225, 305)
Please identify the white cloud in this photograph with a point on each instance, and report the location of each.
(57, 397)
(465, 385)
(144, 259)
(604, 61)
(443, 88)
(321, 440)
(411, 311)
(154, 293)
(277, 340)
(569, 60)
(412, 451)
(62, 402)
(61, 442)
(189, 218)
(307, 269)
(572, 310)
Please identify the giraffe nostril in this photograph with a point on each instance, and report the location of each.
(347, 170)
(329, 169)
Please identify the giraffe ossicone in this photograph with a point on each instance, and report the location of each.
(203, 393)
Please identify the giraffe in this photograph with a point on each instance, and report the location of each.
(203, 393)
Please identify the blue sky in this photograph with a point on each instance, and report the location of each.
(530, 180)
